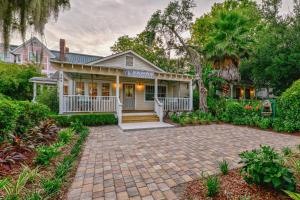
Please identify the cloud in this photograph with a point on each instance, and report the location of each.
(92, 26)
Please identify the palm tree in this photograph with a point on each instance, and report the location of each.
(18, 15)
(228, 44)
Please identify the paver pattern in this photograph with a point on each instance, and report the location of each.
(147, 164)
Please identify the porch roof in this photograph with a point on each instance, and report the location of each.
(114, 71)
(43, 80)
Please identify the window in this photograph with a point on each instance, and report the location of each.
(18, 58)
(150, 89)
(2, 57)
(79, 88)
(66, 90)
(34, 57)
(105, 89)
(93, 89)
(129, 61)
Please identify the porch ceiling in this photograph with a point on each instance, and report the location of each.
(113, 71)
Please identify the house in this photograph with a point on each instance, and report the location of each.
(125, 84)
(33, 51)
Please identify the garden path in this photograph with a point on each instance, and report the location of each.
(148, 164)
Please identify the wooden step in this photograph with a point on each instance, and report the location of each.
(140, 118)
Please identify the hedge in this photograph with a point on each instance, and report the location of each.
(17, 117)
(85, 119)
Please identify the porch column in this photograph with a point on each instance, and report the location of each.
(70, 87)
(155, 88)
(118, 86)
(34, 92)
(231, 91)
(191, 94)
(61, 92)
(42, 89)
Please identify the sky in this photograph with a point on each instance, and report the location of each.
(93, 26)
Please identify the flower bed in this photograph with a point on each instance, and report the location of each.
(48, 171)
(266, 175)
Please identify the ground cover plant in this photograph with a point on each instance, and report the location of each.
(47, 175)
(266, 174)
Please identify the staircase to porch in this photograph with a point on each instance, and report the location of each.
(135, 120)
(139, 117)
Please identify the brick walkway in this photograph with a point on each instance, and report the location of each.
(147, 164)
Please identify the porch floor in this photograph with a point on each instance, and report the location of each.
(144, 126)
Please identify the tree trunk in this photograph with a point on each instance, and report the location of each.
(195, 60)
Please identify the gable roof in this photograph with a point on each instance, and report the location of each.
(123, 53)
(76, 58)
(31, 40)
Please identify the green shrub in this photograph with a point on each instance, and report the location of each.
(174, 117)
(14, 80)
(30, 115)
(224, 167)
(86, 119)
(287, 151)
(264, 167)
(49, 98)
(77, 126)
(264, 123)
(8, 118)
(51, 186)
(234, 110)
(63, 168)
(65, 136)
(45, 154)
(213, 186)
(289, 108)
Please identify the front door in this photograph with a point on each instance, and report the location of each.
(128, 97)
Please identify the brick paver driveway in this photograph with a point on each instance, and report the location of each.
(147, 164)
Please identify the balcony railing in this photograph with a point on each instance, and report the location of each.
(175, 104)
(80, 103)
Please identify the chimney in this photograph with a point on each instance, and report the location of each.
(62, 48)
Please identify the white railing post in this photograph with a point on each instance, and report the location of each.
(159, 110)
(191, 95)
(61, 92)
(119, 110)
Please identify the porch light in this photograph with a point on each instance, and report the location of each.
(139, 86)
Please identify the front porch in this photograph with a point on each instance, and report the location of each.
(95, 89)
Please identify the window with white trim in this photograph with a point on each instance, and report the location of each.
(79, 88)
(105, 89)
(129, 61)
(150, 90)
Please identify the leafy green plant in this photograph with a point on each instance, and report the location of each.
(297, 167)
(77, 126)
(293, 195)
(63, 168)
(264, 167)
(86, 119)
(245, 197)
(8, 118)
(286, 151)
(34, 196)
(49, 98)
(213, 186)
(45, 154)
(264, 123)
(13, 189)
(65, 136)
(174, 118)
(289, 106)
(51, 186)
(223, 166)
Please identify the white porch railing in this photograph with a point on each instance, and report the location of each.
(80, 103)
(119, 110)
(175, 104)
(158, 108)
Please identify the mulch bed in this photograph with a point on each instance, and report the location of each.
(232, 187)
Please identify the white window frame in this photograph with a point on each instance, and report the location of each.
(128, 56)
(160, 85)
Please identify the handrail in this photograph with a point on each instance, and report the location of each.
(119, 106)
(159, 109)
